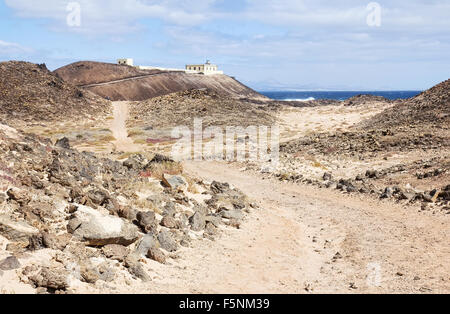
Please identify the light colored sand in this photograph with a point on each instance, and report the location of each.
(297, 122)
(118, 127)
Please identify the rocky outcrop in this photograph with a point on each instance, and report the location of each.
(97, 229)
(93, 226)
(31, 93)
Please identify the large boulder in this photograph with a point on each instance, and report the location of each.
(98, 229)
(17, 231)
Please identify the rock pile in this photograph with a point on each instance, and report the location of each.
(97, 218)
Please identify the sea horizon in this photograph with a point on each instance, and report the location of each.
(337, 95)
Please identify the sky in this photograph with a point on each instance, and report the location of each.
(267, 44)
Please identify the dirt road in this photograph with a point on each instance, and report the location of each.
(119, 130)
(304, 239)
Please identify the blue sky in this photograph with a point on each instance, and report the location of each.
(285, 44)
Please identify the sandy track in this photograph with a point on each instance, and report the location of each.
(119, 129)
(289, 245)
(304, 239)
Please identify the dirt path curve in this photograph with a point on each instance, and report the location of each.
(119, 129)
(304, 239)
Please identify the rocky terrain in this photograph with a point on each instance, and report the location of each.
(213, 108)
(88, 72)
(91, 201)
(401, 153)
(30, 94)
(123, 83)
(430, 109)
(73, 222)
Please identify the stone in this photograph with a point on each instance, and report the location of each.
(55, 242)
(89, 274)
(17, 231)
(167, 242)
(55, 278)
(128, 213)
(20, 196)
(98, 197)
(170, 209)
(327, 176)
(10, 263)
(388, 193)
(73, 224)
(170, 222)
(98, 229)
(197, 221)
(146, 243)
(156, 255)
(215, 220)
(224, 204)
(147, 221)
(232, 214)
(233, 223)
(115, 251)
(211, 229)
(219, 188)
(135, 268)
(17, 247)
(372, 174)
(174, 182)
(63, 143)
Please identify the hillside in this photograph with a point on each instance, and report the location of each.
(90, 72)
(31, 93)
(430, 108)
(181, 108)
(126, 83)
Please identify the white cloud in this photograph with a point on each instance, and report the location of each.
(8, 48)
(114, 16)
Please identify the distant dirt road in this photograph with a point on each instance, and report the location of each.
(124, 79)
(119, 129)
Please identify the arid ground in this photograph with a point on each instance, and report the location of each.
(359, 202)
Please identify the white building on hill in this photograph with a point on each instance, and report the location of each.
(205, 69)
(129, 62)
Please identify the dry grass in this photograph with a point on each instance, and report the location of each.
(128, 155)
(135, 133)
(172, 168)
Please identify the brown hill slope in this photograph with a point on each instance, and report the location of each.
(431, 108)
(31, 93)
(128, 83)
(216, 110)
(89, 72)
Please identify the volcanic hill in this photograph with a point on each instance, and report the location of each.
(120, 83)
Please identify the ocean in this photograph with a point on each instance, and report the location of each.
(339, 95)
